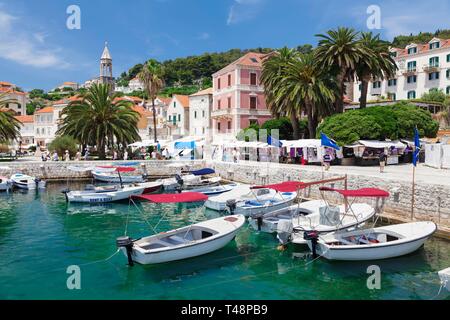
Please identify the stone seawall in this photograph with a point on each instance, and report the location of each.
(432, 201)
(58, 170)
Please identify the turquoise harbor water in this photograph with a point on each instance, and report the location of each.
(40, 236)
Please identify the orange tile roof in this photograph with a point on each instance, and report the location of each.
(69, 82)
(9, 90)
(4, 83)
(184, 100)
(203, 92)
(421, 48)
(25, 119)
(165, 100)
(45, 110)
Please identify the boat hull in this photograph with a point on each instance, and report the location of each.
(263, 209)
(116, 179)
(92, 197)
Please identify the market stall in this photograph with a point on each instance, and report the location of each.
(367, 152)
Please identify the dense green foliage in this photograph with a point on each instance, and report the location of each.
(422, 37)
(379, 123)
(434, 95)
(62, 143)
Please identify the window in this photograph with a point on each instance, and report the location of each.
(448, 58)
(435, 45)
(433, 76)
(411, 94)
(412, 65)
(218, 83)
(253, 121)
(218, 104)
(376, 84)
(229, 125)
(253, 79)
(253, 102)
(254, 60)
(448, 73)
(392, 96)
(434, 62)
(393, 54)
(229, 80)
(203, 130)
(392, 82)
(229, 102)
(412, 50)
(411, 79)
(360, 87)
(203, 113)
(170, 118)
(447, 90)
(179, 117)
(218, 126)
(174, 104)
(195, 114)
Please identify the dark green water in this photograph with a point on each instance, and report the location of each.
(40, 236)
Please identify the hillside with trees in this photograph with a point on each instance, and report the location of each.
(422, 37)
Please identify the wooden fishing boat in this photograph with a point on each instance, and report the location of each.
(183, 243)
(371, 244)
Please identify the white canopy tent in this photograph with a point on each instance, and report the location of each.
(394, 148)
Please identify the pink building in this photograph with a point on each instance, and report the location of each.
(238, 96)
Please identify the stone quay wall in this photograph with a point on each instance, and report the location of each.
(59, 170)
(432, 201)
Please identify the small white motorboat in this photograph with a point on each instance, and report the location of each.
(150, 187)
(219, 202)
(214, 190)
(114, 178)
(26, 182)
(371, 244)
(5, 184)
(187, 242)
(189, 182)
(103, 194)
(444, 275)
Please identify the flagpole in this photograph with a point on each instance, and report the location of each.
(321, 161)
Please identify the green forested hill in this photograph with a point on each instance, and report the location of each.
(422, 37)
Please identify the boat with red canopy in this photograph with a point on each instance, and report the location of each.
(266, 198)
(106, 174)
(172, 197)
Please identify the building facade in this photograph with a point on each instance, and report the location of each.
(18, 99)
(200, 106)
(238, 96)
(26, 131)
(178, 116)
(421, 67)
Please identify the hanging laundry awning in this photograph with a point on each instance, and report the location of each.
(364, 192)
(287, 186)
(172, 197)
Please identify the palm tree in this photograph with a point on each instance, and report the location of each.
(274, 69)
(9, 125)
(304, 83)
(339, 51)
(378, 64)
(152, 78)
(99, 118)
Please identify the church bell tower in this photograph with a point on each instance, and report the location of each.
(106, 75)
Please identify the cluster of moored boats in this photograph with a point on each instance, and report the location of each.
(335, 232)
(20, 181)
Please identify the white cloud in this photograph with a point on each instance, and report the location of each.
(26, 48)
(204, 36)
(243, 10)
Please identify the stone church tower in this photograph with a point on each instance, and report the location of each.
(106, 75)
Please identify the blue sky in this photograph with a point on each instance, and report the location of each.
(38, 51)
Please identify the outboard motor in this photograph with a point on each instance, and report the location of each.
(284, 231)
(127, 243)
(312, 236)
(40, 183)
(180, 180)
(259, 221)
(231, 205)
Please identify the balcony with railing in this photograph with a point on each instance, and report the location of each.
(410, 72)
(221, 113)
(432, 67)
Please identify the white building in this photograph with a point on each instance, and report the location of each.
(26, 131)
(19, 106)
(178, 116)
(45, 126)
(200, 106)
(421, 67)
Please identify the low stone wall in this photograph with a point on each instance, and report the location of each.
(432, 201)
(58, 170)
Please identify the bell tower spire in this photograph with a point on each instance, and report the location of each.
(106, 75)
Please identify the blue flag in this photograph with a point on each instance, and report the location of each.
(417, 147)
(325, 141)
(274, 142)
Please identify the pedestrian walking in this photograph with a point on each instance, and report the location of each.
(382, 158)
